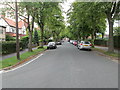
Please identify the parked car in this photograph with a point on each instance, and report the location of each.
(59, 43)
(51, 45)
(75, 42)
(71, 41)
(84, 45)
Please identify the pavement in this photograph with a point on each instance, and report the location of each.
(64, 67)
(106, 48)
(14, 54)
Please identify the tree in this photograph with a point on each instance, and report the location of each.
(111, 9)
(44, 15)
(17, 32)
(26, 10)
(36, 37)
(29, 8)
(40, 12)
(86, 19)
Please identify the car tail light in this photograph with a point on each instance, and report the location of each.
(81, 44)
(90, 44)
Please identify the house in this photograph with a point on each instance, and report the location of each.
(11, 27)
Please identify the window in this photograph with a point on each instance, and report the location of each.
(23, 32)
(86, 42)
(1, 30)
(13, 30)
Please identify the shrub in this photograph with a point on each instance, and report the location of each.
(9, 38)
(117, 41)
(36, 38)
(9, 47)
(101, 42)
(24, 41)
(104, 42)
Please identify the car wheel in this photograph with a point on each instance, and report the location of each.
(89, 49)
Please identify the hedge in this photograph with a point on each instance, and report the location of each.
(103, 42)
(117, 41)
(10, 38)
(9, 47)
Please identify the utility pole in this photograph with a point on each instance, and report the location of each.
(17, 32)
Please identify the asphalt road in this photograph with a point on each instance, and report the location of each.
(65, 67)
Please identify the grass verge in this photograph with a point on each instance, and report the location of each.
(116, 55)
(13, 60)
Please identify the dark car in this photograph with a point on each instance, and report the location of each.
(58, 43)
(51, 45)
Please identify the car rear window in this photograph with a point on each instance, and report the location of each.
(86, 43)
(51, 43)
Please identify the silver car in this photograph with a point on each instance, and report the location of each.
(51, 45)
(84, 45)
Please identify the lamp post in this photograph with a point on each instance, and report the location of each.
(17, 32)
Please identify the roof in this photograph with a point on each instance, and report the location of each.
(13, 24)
(22, 23)
(10, 22)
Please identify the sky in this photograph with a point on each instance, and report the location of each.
(66, 7)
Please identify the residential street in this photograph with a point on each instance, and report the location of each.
(65, 67)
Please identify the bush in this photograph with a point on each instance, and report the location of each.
(104, 42)
(101, 42)
(117, 41)
(36, 38)
(9, 38)
(9, 47)
(24, 40)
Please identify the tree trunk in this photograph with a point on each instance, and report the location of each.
(87, 37)
(42, 32)
(83, 38)
(30, 42)
(78, 38)
(93, 38)
(17, 34)
(30, 35)
(111, 42)
(102, 35)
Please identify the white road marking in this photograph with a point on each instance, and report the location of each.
(23, 64)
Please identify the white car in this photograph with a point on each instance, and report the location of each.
(51, 45)
(85, 45)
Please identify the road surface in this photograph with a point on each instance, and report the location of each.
(65, 67)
